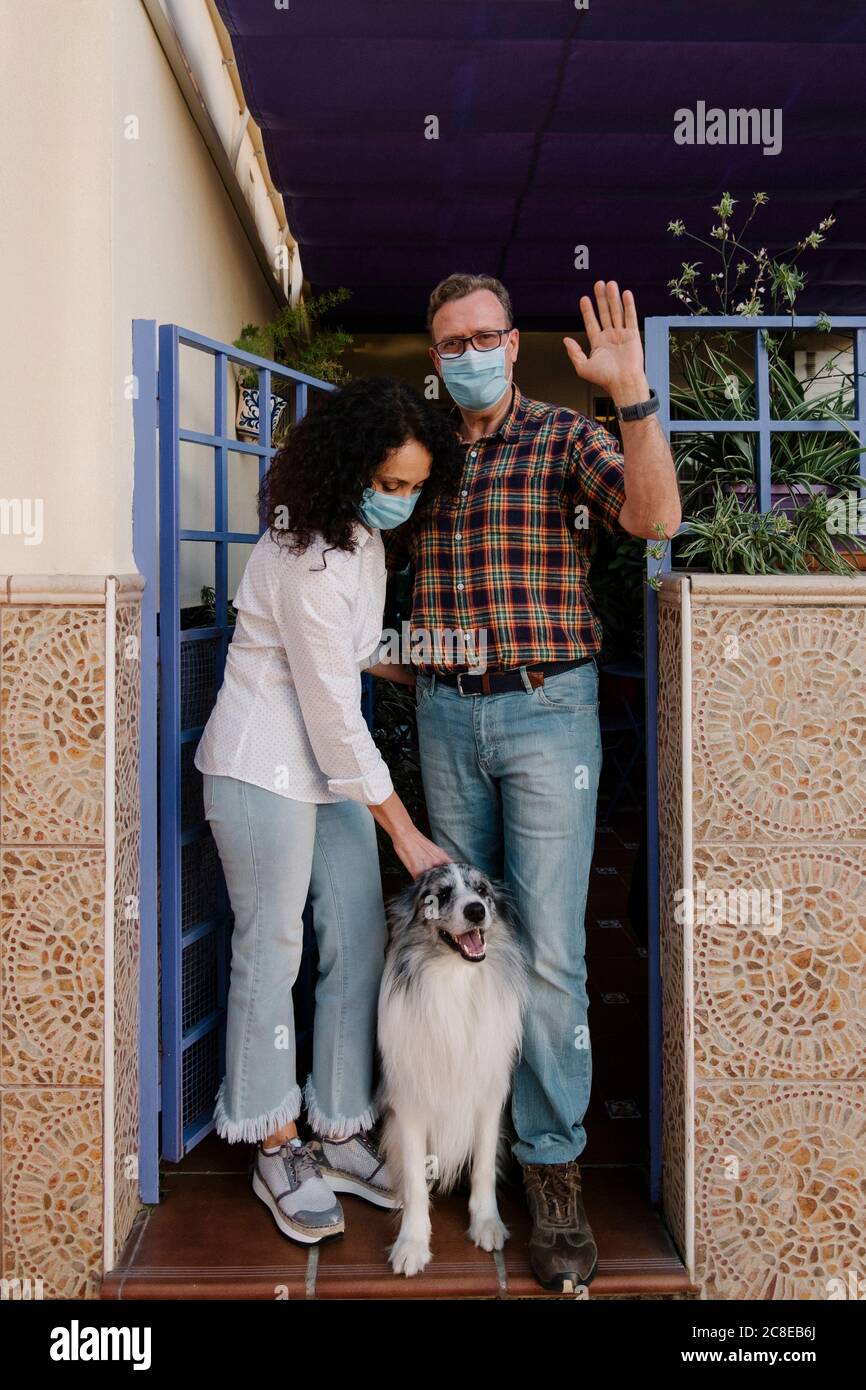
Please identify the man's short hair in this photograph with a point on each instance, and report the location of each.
(458, 286)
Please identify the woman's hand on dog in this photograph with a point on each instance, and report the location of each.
(417, 854)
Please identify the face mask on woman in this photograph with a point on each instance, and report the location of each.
(386, 509)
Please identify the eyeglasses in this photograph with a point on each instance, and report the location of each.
(485, 341)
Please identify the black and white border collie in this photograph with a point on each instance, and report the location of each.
(450, 1031)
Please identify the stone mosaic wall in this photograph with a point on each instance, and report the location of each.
(54, 1074)
(778, 802)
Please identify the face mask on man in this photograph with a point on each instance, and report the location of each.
(384, 510)
(476, 379)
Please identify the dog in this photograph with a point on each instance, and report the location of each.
(450, 1031)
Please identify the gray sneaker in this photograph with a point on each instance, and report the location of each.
(291, 1185)
(355, 1165)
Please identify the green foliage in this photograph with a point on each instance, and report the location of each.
(734, 539)
(717, 385)
(207, 612)
(746, 281)
(296, 338)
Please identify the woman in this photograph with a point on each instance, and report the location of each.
(293, 783)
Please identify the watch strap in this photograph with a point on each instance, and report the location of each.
(640, 410)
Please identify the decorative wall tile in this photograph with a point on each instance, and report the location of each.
(52, 752)
(52, 1188)
(127, 1201)
(669, 720)
(792, 1004)
(52, 725)
(670, 768)
(128, 716)
(779, 723)
(51, 966)
(778, 789)
(780, 1204)
(675, 1120)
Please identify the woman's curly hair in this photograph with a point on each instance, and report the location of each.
(317, 478)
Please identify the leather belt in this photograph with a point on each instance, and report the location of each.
(493, 682)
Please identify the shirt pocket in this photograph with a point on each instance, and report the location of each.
(528, 480)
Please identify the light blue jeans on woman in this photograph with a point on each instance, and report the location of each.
(273, 852)
(511, 783)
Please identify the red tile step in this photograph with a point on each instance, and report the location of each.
(210, 1238)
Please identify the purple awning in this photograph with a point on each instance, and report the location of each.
(556, 130)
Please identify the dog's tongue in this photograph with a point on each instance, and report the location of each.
(472, 942)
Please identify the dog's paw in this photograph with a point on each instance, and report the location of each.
(488, 1232)
(409, 1255)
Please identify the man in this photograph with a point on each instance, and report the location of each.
(511, 753)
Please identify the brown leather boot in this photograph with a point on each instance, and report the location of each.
(562, 1251)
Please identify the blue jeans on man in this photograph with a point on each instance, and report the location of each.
(511, 783)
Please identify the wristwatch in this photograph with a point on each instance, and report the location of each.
(639, 411)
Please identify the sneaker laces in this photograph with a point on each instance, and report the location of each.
(302, 1161)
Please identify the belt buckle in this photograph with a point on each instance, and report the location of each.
(467, 694)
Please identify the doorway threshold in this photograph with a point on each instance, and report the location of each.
(211, 1238)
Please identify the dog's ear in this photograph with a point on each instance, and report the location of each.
(401, 908)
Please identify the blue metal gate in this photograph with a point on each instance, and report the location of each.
(763, 426)
(189, 917)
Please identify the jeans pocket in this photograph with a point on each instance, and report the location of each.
(422, 689)
(207, 793)
(571, 691)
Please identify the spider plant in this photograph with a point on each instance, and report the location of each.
(716, 385)
(734, 539)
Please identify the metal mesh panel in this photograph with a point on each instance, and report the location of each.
(200, 877)
(199, 979)
(200, 1081)
(191, 800)
(198, 680)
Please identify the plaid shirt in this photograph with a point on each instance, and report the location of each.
(506, 560)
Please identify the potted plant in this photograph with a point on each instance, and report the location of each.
(714, 382)
(736, 539)
(296, 338)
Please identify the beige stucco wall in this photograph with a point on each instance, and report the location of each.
(98, 229)
(55, 230)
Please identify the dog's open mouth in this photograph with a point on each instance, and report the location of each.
(470, 944)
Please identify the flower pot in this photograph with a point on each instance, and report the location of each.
(247, 417)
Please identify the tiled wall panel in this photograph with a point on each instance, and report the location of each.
(774, 783)
(60, 971)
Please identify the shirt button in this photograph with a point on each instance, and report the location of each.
(458, 535)
(461, 585)
(465, 492)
